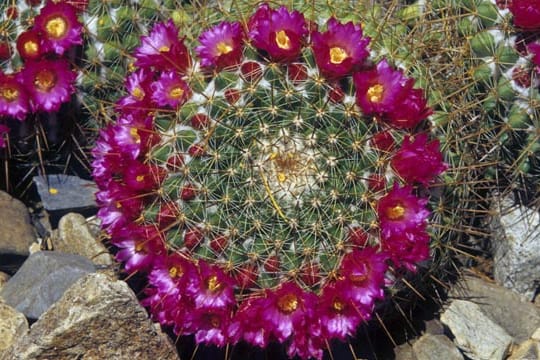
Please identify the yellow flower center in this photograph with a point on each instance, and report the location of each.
(337, 305)
(395, 212)
(337, 55)
(45, 80)
(164, 49)
(139, 178)
(282, 40)
(175, 272)
(56, 27)
(135, 135)
(223, 48)
(31, 47)
(214, 321)
(176, 92)
(9, 93)
(139, 247)
(288, 303)
(138, 93)
(375, 93)
(213, 284)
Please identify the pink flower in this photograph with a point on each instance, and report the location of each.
(163, 49)
(60, 27)
(279, 33)
(30, 45)
(4, 130)
(221, 46)
(534, 49)
(139, 246)
(408, 248)
(210, 326)
(411, 110)
(418, 161)
(526, 13)
(143, 177)
(13, 97)
(340, 49)
(214, 289)
(400, 211)
(170, 90)
(49, 82)
(139, 98)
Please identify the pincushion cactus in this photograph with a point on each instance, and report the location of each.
(264, 186)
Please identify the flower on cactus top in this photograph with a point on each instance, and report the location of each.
(418, 161)
(526, 13)
(214, 290)
(30, 45)
(4, 130)
(400, 211)
(411, 110)
(408, 248)
(139, 247)
(142, 177)
(13, 97)
(221, 46)
(139, 98)
(49, 82)
(210, 326)
(163, 49)
(60, 28)
(534, 49)
(339, 49)
(170, 90)
(279, 33)
(80, 5)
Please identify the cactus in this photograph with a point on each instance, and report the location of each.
(271, 186)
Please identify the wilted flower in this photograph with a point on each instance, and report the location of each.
(526, 13)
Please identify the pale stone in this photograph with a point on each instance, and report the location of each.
(17, 231)
(529, 350)
(429, 347)
(13, 325)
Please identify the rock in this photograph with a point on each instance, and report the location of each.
(13, 325)
(404, 352)
(64, 192)
(17, 231)
(42, 280)
(475, 333)
(3, 279)
(434, 327)
(429, 347)
(74, 237)
(516, 248)
(95, 319)
(529, 350)
(506, 308)
(536, 335)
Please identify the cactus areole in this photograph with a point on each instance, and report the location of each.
(239, 181)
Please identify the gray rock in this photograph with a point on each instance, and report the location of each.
(75, 237)
(62, 192)
(13, 325)
(95, 319)
(506, 308)
(476, 334)
(17, 232)
(404, 352)
(516, 247)
(434, 327)
(42, 280)
(429, 347)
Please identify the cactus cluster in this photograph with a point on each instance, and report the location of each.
(273, 184)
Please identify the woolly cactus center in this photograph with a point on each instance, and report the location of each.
(288, 303)
(282, 40)
(223, 48)
(9, 93)
(337, 55)
(45, 80)
(375, 92)
(56, 27)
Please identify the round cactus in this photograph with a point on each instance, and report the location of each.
(272, 183)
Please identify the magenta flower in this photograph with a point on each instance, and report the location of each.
(526, 13)
(534, 49)
(139, 98)
(408, 248)
(4, 130)
(163, 49)
(247, 324)
(142, 177)
(221, 46)
(30, 45)
(400, 211)
(210, 326)
(49, 82)
(119, 205)
(170, 90)
(364, 273)
(340, 49)
(13, 97)
(279, 33)
(139, 247)
(418, 160)
(411, 110)
(378, 91)
(214, 290)
(60, 27)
